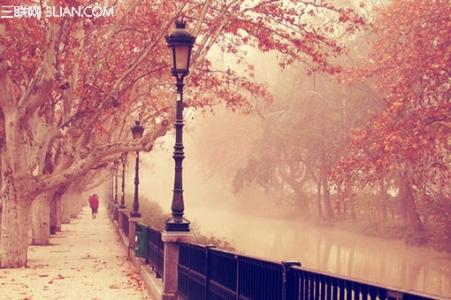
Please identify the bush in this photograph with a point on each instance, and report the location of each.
(154, 216)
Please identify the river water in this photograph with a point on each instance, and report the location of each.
(388, 262)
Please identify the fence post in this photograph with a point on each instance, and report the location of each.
(289, 289)
(116, 214)
(110, 207)
(120, 220)
(207, 269)
(171, 260)
(237, 283)
(132, 221)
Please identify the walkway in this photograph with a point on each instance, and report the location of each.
(86, 261)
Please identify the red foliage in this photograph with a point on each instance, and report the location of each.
(95, 75)
(410, 61)
(103, 49)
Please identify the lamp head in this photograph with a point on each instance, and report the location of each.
(137, 130)
(180, 41)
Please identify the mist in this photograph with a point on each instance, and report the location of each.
(217, 145)
(269, 217)
(256, 225)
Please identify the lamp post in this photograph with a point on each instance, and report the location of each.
(111, 202)
(137, 132)
(116, 166)
(177, 227)
(124, 161)
(115, 203)
(180, 42)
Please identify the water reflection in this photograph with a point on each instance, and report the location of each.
(387, 262)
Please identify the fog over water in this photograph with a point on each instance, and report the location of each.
(246, 220)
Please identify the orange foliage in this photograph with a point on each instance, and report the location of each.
(410, 61)
(91, 78)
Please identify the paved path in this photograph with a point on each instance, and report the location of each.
(86, 261)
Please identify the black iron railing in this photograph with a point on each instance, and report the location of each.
(193, 272)
(125, 221)
(208, 273)
(155, 255)
(306, 284)
(211, 274)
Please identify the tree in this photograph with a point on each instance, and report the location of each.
(71, 87)
(304, 135)
(410, 61)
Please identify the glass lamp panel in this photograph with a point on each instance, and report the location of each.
(181, 57)
(173, 56)
(136, 135)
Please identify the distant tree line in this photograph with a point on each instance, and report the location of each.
(370, 145)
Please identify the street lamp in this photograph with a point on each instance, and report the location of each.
(137, 132)
(111, 203)
(116, 167)
(124, 161)
(180, 42)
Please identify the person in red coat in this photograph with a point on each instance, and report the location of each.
(94, 204)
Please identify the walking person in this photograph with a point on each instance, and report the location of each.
(94, 204)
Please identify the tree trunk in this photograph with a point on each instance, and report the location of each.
(65, 209)
(55, 215)
(409, 207)
(351, 200)
(55, 209)
(14, 228)
(326, 198)
(40, 220)
(83, 198)
(74, 201)
(385, 201)
(318, 197)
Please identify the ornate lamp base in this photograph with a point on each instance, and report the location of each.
(135, 214)
(180, 225)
